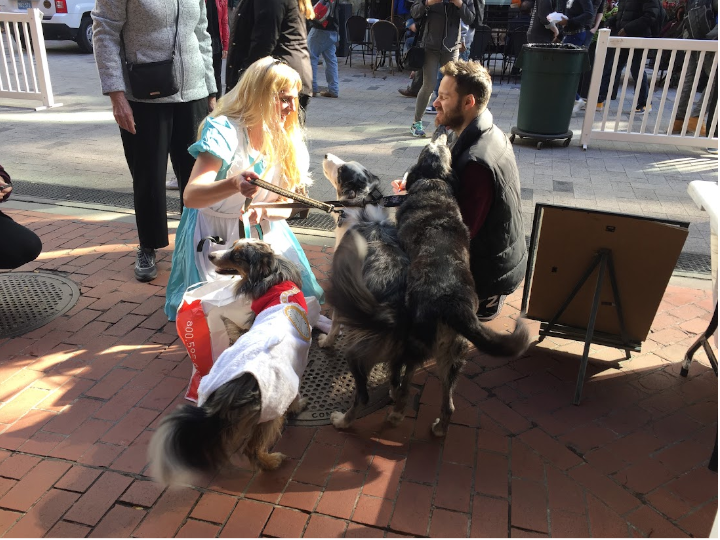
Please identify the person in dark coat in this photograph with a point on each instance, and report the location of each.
(18, 244)
(635, 18)
(539, 30)
(489, 193)
(276, 28)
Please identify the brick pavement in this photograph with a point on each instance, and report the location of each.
(81, 396)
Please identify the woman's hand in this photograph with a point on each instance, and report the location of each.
(256, 215)
(122, 111)
(5, 190)
(243, 186)
(212, 101)
(398, 186)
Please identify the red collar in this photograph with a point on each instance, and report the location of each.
(278, 294)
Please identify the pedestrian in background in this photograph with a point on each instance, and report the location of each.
(18, 244)
(217, 16)
(277, 28)
(137, 32)
(441, 41)
(322, 41)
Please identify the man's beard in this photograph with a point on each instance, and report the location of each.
(452, 119)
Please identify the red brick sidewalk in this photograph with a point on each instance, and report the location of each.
(82, 395)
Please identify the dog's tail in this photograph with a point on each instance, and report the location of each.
(349, 294)
(194, 442)
(491, 342)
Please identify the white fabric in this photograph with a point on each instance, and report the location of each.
(274, 351)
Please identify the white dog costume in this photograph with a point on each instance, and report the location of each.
(274, 350)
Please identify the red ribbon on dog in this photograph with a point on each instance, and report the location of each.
(194, 333)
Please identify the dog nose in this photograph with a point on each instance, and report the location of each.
(326, 156)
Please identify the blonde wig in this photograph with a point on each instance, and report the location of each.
(253, 101)
(306, 7)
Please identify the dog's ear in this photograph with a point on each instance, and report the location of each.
(261, 261)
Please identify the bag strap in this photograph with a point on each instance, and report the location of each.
(177, 24)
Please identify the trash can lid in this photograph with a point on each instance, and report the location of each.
(564, 47)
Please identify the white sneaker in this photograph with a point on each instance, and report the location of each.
(579, 105)
(430, 110)
(172, 183)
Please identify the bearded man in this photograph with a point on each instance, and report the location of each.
(489, 196)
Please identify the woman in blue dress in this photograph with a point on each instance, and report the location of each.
(252, 132)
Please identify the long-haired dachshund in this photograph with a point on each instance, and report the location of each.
(243, 400)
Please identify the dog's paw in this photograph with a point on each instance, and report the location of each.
(298, 406)
(324, 341)
(437, 428)
(270, 462)
(338, 420)
(395, 417)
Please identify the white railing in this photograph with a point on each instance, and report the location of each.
(654, 126)
(24, 74)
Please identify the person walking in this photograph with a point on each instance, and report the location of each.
(254, 132)
(322, 41)
(277, 28)
(217, 16)
(128, 35)
(441, 41)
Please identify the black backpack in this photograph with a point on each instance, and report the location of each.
(699, 18)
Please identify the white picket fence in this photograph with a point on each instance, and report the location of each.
(656, 126)
(24, 74)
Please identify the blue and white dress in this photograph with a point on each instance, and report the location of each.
(229, 141)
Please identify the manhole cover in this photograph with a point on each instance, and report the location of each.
(329, 386)
(29, 300)
(315, 220)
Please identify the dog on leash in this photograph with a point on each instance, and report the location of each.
(367, 286)
(243, 400)
(440, 296)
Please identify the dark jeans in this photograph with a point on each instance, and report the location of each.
(584, 86)
(634, 70)
(304, 101)
(162, 129)
(217, 68)
(18, 244)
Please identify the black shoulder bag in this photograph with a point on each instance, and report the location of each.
(153, 80)
(415, 57)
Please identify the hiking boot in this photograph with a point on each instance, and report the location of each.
(327, 93)
(407, 92)
(416, 130)
(145, 268)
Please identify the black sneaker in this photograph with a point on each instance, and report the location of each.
(145, 269)
(490, 307)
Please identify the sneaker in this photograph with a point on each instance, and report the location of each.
(172, 183)
(712, 151)
(579, 105)
(642, 108)
(416, 130)
(407, 92)
(145, 269)
(430, 110)
(327, 93)
(490, 308)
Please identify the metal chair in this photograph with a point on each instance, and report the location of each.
(513, 45)
(356, 31)
(479, 49)
(399, 23)
(384, 40)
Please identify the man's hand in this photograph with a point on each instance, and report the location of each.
(5, 190)
(224, 55)
(212, 101)
(256, 215)
(122, 111)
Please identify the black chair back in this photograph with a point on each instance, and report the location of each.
(356, 27)
(384, 36)
(516, 39)
(481, 41)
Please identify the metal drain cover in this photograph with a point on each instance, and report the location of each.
(329, 386)
(315, 220)
(29, 300)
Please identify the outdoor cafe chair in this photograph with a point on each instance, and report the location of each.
(384, 40)
(356, 31)
(479, 49)
(513, 45)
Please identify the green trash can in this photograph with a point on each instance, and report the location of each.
(548, 83)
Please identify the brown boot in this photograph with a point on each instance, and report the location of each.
(677, 126)
(692, 126)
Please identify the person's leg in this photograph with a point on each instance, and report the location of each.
(147, 153)
(707, 66)
(331, 65)
(585, 80)
(607, 71)
(304, 101)
(18, 244)
(185, 121)
(579, 40)
(217, 68)
(430, 68)
(313, 49)
(638, 73)
(417, 82)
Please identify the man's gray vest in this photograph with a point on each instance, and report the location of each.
(498, 253)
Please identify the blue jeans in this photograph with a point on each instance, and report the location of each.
(323, 42)
(579, 40)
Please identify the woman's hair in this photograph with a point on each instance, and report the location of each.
(253, 102)
(306, 7)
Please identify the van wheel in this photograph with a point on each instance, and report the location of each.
(84, 37)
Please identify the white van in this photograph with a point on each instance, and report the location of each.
(62, 19)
